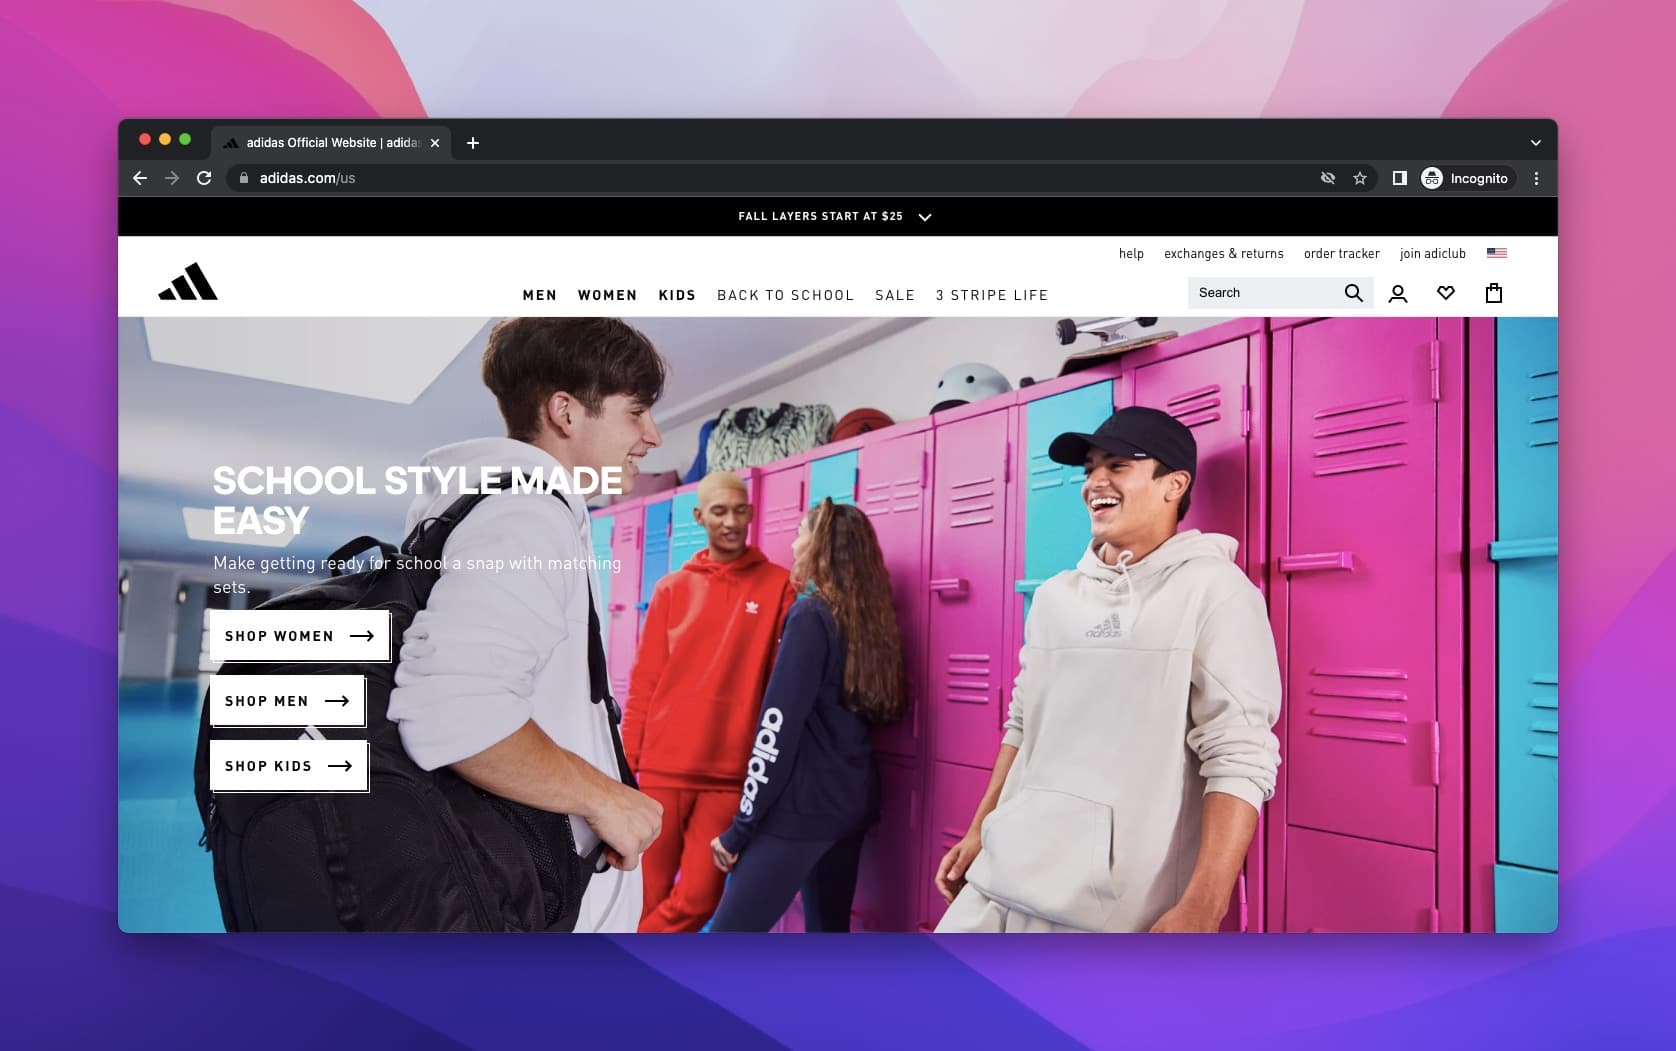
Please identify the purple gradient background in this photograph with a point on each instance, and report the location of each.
(70, 69)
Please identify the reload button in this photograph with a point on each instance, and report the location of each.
(349, 636)
(288, 700)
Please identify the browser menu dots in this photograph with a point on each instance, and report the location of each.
(304, 765)
(347, 636)
(288, 700)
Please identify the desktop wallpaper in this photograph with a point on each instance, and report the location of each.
(70, 69)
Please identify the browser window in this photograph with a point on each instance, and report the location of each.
(894, 526)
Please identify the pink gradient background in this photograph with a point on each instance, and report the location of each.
(71, 69)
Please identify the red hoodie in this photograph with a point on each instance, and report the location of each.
(705, 654)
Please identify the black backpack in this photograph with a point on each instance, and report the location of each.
(424, 850)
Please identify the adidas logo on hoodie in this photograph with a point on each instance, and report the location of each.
(1110, 628)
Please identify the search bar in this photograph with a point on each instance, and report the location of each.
(1281, 293)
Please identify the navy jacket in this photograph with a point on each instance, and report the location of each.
(811, 773)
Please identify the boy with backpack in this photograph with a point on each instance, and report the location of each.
(494, 673)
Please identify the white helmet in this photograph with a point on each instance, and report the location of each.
(968, 382)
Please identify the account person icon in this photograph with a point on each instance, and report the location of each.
(1397, 295)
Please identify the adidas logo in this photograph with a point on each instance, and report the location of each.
(190, 285)
(750, 607)
(231, 144)
(1110, 628)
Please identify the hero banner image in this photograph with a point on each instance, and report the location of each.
(883, 624)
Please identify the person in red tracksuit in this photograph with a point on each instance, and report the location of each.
(690, 717)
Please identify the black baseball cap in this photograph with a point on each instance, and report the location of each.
(1136, 432)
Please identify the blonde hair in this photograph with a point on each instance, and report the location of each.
(720, 480)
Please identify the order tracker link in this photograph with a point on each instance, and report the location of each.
(346, 636)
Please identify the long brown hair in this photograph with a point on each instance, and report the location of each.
(845, 567)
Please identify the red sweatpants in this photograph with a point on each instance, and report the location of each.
(691, 819)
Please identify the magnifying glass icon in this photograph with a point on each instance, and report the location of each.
(1353, 291)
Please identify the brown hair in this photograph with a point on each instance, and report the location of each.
(530, 358)
(847, 570)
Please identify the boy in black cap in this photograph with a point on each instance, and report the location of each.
(1139, 741)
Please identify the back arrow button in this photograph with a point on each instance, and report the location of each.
(139, 177)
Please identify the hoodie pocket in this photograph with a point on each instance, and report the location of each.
(1049, 853)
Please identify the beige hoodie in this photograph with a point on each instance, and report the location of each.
(1141, 687)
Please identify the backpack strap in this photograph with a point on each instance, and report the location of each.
(426, 542)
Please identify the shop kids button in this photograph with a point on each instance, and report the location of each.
(305, 765)
(288, 700)
(348, 636)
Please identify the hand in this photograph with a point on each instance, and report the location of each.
(723, 859)
(1190, 918)
(628, 822)
(951, 873)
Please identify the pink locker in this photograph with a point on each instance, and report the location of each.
(781, 498)
(886, 893)
(1204, 380)
(626, 537)
(1356, 595)
(955, 793)
(968, 587)
(891, 489)
(1347, 885)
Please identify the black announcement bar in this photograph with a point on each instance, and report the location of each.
(318, 216)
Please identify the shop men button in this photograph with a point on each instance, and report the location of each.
(288, 700)
(304, 765)
(348, 636)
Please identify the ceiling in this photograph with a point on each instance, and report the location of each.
(197, 393)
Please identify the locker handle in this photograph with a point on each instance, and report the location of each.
(1027, 587)
(616, 607)
(1245, 914)
(641, 607)
(955, 584)
(1325, 560)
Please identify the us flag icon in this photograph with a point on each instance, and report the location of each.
(1495, 253)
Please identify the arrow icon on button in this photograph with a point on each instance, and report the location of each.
(925, 217)
(367, 635)
(173, 178)
(1536, 142)
(337, 700)
(139, 177)
(344, 766)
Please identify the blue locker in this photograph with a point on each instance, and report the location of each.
(1527, 901)
(599, 531)
(1526, 553)
(1527, 428)
(654, 554)
(834, 476)
(1055, 521)
(1527, 712)
(686, 537)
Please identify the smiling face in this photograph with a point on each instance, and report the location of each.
(724, 510)
(618, 436)
(1128, 508)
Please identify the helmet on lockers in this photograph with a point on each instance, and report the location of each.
(969, 382)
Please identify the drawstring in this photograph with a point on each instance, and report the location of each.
(1122, 567)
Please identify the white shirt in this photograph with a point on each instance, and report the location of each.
(493, 650)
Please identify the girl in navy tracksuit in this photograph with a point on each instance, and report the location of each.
(811, 787)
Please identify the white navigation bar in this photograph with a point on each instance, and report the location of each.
(745, 276)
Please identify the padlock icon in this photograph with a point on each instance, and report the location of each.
(1492, 293)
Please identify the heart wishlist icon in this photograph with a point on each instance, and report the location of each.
(1445, 290)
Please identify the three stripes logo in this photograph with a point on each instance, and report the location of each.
(1110, 628)
(190, 285)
